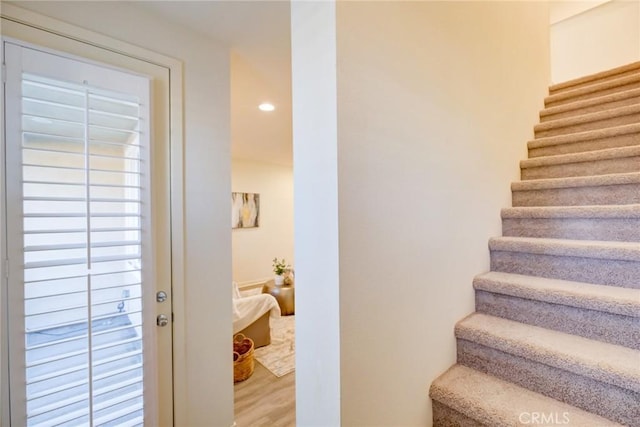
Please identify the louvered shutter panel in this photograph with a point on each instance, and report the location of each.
(84, 176)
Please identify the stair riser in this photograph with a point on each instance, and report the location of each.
(444, 416)
(604, 399)
(553, 91)
(625, 274)
(583, 127)
(597, 325)
(608, 229)
(579, 196)
(590, 109)
(553, 103)
(596, 167)
(584, 146)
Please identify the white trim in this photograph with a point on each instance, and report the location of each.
(180, 415)
(251, 284)
(51, 25)
(4, 355)
(175, 66)
(14, 215)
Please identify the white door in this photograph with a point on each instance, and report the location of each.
(87, 245)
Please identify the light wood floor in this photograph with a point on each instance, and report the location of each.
(265, 400)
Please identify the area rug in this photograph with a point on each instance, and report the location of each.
(279, 357)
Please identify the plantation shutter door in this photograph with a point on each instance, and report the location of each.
(78, 211)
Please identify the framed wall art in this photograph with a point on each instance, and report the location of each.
(245, 210)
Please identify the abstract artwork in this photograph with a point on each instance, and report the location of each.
(245, 210)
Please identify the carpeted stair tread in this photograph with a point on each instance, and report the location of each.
(578, 181)
(607, 363)
(609, 299)
(589, 212)
(588, 156)
(497, 403)
(595, 77)
(606, 189)
(612, 113)
(557, 322)
(596, 87)
(589, 103)
(582, 222)
(621, 251)
(585, 136)
(592, 311)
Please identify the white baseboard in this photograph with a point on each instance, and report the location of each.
(252, 284)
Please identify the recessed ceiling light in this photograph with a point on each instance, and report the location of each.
(265, 106)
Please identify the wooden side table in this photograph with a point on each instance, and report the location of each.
(284, 294)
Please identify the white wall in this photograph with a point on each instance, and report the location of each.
(433, 116)
(600, 38)
(435, 103)
(313, 57)
(204, 394)
(253, 249)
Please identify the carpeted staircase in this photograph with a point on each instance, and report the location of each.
(555, 339)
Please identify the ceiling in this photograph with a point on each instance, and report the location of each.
(258, 34)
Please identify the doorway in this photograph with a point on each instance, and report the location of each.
(88, 240)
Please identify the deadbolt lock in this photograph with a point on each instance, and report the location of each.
(161, 296)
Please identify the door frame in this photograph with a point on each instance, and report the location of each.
(30, 21)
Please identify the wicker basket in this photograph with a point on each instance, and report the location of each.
(243, 362)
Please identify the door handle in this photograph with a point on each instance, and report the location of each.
(162, 320)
